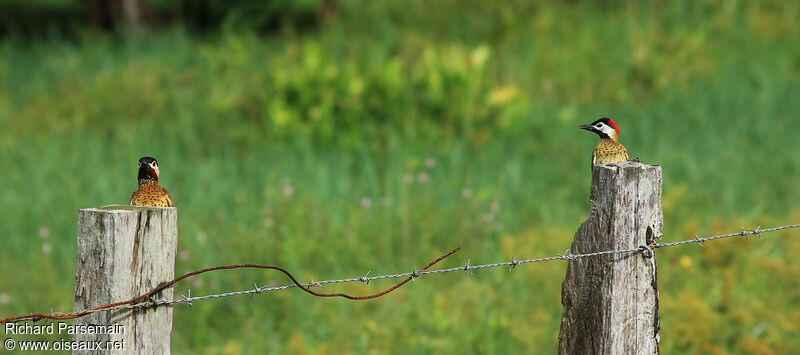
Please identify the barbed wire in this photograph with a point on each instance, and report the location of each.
(150, 302)
(467, 267)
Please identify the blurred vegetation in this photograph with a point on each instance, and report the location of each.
(69, 17)
(394, 131)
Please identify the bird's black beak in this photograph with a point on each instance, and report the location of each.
(587, 127)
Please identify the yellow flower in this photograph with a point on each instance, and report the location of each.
(502, 95)
(686, 262)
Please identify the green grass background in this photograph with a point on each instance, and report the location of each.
(399, 130)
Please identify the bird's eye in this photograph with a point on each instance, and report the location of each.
(598, 125)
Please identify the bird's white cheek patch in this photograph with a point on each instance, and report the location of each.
(609, 131)
(154, 169)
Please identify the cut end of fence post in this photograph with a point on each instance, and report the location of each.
(611, 301)
(123, 252)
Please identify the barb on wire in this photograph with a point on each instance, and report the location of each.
(187, 299)
(567, 255)
(365, 278)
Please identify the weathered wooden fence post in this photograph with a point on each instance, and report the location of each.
(611, 301)
(123, 252)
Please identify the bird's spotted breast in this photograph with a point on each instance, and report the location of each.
(608, 151)
(151, 194)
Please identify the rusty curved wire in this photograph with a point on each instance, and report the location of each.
(162, 286)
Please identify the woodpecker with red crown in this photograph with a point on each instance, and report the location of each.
(150, 193)
(609, 150)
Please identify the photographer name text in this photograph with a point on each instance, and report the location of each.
(62, 328)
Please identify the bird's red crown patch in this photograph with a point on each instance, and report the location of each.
(613, 125)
